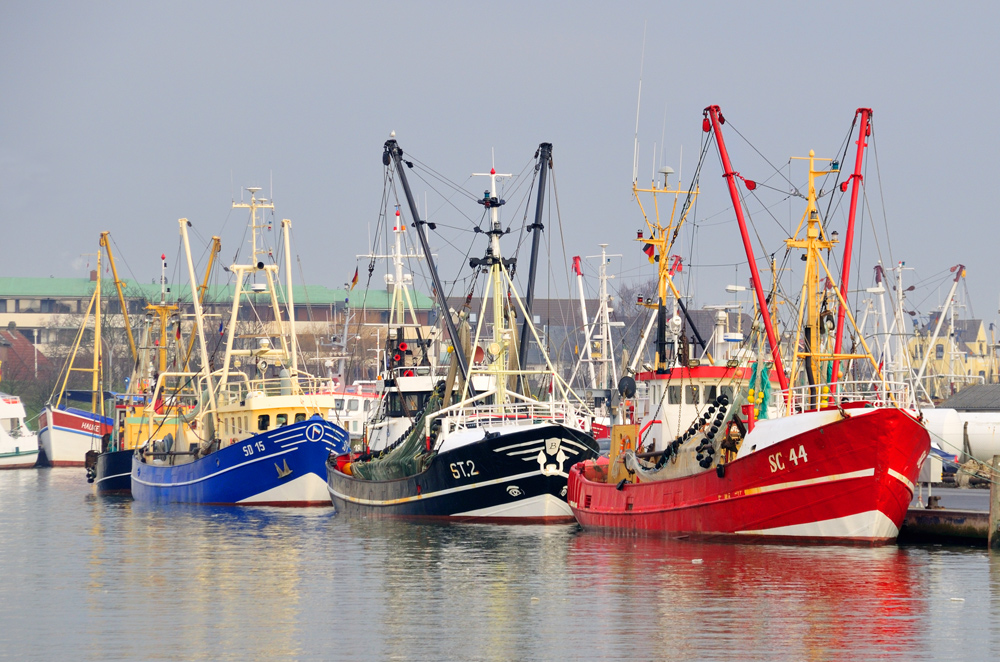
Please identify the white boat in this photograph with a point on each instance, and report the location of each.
(67, 433)
(18, 444)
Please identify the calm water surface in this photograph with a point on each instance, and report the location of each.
(98, 579)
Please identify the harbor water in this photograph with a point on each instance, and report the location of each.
(87, 578)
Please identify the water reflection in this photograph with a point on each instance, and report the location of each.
(90, 578)
(703, 599)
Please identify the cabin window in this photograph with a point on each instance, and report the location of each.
(982, 373)
(728, 392)
(674, 395)
(353, 405)
(412, 401)
(692, 395)
(711, 392)
(263, 422)
(368, 405)
(280, 420)
(225, 426)
(338, 404)
(939, 352)
(300, 417)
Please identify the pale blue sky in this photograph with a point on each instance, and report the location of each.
(126, 116)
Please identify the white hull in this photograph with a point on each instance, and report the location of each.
(64, 448)
(22, 458)
(870, 525)
(309, 488)
(541, 506)
(18, 444)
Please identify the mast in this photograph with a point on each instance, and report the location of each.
(121, 294)
(199, 323)
(959, 270)
(285, 226)
(845, 276)
(607, 346)
(494, 261)
(815, 320)
(97, 385)
(714, 121)
(544, 163)
(586, 325)
(661, 240)
(391, 151)
(212, 254)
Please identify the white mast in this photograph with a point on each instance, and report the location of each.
(285, 225)
(585, 353)
(500, 343)
(199, 321)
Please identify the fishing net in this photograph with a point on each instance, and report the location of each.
(408, 456)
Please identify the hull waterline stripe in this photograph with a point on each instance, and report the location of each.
(101, 480)
(217, 473)
(428, 495)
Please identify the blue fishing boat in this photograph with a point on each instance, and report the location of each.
(283, 467)
(253, 431)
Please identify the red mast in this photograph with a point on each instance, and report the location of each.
(845, 274)
(713, 113)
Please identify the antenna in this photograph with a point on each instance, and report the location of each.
(271, 192)
(680, 167)
(635, 145)
(663, 134)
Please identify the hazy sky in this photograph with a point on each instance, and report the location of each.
(126, 116)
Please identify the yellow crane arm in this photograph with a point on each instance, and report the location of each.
(121, 294)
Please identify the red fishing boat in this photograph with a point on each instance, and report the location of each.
(819, 459)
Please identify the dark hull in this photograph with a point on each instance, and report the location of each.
(519, 475)
(114, 473)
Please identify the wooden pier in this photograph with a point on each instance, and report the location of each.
(978, 527)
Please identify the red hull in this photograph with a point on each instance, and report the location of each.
(853, 485)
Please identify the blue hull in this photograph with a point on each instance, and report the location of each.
(283, 467)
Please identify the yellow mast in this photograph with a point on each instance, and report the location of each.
(814, 241)
(120, 286)
(662, 237)
(818, 279)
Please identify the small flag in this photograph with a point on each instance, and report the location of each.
(177, 335)
(354, 281)
(220, 328)
(650, 252)
(576, 265)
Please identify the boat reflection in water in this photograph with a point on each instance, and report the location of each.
(230, 590)
(688, 600)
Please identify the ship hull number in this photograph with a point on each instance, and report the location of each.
(463, 469)
(779, 463)
(249, 448)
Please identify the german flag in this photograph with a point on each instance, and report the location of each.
(354, 281)
(650, 252)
